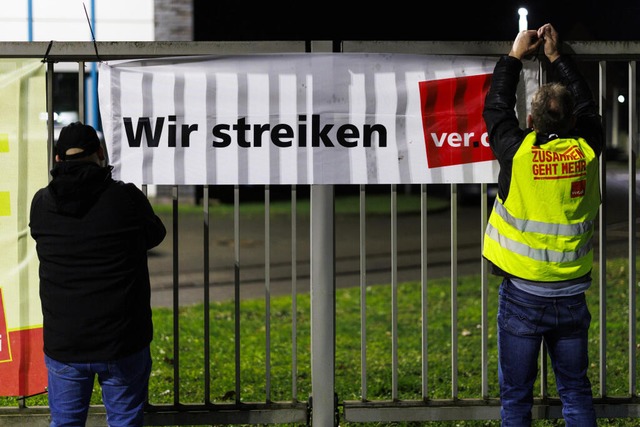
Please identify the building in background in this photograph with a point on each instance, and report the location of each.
(106, 20)
(112, 20)
(187, 20)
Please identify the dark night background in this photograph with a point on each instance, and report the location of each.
(448, 20)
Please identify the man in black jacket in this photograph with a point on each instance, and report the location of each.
(539, 235)
(92, 235)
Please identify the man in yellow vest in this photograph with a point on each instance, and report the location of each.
(539, 235)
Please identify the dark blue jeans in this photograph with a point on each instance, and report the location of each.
(524, 320)
(124, 386)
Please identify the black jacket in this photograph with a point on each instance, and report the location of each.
(503, 127)
(92, 235)
(505, 134)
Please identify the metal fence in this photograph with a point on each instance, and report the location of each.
(317, 257)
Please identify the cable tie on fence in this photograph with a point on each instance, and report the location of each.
(46, 54)
(93, 37)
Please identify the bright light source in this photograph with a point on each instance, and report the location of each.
(621, 99)
(522, 23)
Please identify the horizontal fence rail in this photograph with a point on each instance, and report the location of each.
(309, 258)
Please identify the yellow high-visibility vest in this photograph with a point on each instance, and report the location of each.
(543, 231)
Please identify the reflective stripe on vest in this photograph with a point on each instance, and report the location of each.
(525, 225)
(543, 231)
(544, 255)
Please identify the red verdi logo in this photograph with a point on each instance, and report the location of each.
(454, 130)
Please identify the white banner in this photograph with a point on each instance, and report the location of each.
(300, 119)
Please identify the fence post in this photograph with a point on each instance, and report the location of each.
(322, 305)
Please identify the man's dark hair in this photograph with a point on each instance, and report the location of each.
(552, 109)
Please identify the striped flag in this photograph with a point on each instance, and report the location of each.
(299, 119)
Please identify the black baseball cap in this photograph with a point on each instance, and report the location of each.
(77, 135)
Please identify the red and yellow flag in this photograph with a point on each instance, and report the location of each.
(23, 170)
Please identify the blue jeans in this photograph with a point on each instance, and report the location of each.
(124, 386)
(524, 320)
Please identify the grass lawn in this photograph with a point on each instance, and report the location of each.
(348, 334)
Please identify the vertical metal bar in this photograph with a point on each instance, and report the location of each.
(454, 291)
(543, 349)
(423, 289)
(207, 303)
(267, 289)
(484, 290)
(394, 292)
(294, 293)
(93, 117)
(544, 367)
(50, 147)
(363, 294)
(30, 20)
(602, 242)
(176, 300)
(22, 194)
(236, 284)
(633, 128)
(323, 288)
(81, 97)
